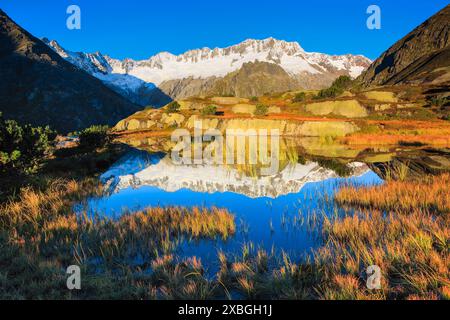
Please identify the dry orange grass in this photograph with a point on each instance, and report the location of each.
(409, 242)
(394, 132)
(403, 228)
(196, 222)
(429, 194)
(43, 222)
(410, 248)
(37, 206)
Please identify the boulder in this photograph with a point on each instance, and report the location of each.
(327, 128)
(382, 107)
(172, 119)
(244, 108)
(121, 126)
(206, 123)
(229, 100)
(134, 124)
(383, 96)
(346, 108)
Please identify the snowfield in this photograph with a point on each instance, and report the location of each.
(205, 63)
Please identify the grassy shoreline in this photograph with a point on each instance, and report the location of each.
(41, 235)
(402, 226)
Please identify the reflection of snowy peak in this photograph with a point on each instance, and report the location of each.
(162, 173)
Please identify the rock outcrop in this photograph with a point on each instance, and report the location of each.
(422, 56)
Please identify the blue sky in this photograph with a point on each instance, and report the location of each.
(140, 28)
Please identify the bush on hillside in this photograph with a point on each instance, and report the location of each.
(173, 107)
(438, 101)
(209, 110)
(94, 137)
(343, 82)
(23, 148)
(299, 97)
(331, 92)
(261, 110)
(337, 88)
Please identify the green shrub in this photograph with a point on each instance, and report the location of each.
(94, 137)
(331, 92)
(343, 82)
(299, 97)
(23, 148)
(209, 110)
(337, 88)
(254, 99)
(173, 107)
(261, 110)
(438, 101)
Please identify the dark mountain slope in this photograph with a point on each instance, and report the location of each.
(420, 57)
(39, 87)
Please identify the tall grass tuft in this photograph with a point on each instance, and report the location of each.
(429, 194)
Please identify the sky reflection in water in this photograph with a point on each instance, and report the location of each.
(265, 221)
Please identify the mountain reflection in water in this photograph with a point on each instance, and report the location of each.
(270, 211)
(138, 169)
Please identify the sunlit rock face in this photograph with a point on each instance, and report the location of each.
(141, 169)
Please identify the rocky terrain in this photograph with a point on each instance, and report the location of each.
(311, 117)
(255, 79)
(409, 82)
(421, 57)
(39, 87)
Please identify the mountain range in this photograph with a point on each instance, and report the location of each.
(213, 71)
(45, 84)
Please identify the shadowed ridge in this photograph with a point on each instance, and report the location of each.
(422, 56)
(41, 88)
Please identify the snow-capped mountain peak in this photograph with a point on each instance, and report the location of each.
(133, 75)
(218, 62)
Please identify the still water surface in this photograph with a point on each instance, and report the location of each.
(270, 211)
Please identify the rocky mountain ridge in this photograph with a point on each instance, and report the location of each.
(196, 72)
(422, 56)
